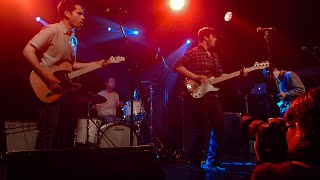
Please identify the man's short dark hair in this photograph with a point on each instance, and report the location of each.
(205, 32)
(68, 5)
(108, 77)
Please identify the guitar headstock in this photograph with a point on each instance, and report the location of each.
(261, 65)
(116, 59)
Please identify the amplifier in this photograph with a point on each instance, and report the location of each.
(20, 135)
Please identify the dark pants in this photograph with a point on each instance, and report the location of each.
(208, 116)
(57, 123)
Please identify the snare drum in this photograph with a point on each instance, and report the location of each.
(138, 111)
(116, 135)
(81, 130)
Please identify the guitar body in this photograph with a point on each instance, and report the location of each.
(283, 107)
(198, 91)
(61, 72)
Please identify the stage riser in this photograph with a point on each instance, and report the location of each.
(111, 163)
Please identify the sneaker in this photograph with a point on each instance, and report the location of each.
(196, 168)
(211, 167)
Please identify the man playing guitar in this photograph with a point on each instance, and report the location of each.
(289, 86)
(55, 46)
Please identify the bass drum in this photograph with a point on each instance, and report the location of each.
(116, 135)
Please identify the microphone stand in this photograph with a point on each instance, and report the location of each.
(164, 62)
(131, 70)
(270, 74)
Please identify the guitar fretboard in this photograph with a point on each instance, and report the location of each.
(80, 72)
(229, 76)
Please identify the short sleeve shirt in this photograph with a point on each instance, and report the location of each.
(53, 42)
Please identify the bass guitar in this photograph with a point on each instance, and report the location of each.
(199, 90)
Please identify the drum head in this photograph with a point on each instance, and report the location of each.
(116, 135)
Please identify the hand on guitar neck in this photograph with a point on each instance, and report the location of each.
(102, 63)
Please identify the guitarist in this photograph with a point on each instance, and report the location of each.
(199, 64)
(53, 45)
(289, 85)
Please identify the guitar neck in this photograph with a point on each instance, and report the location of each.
(229, 76)
(82, 71)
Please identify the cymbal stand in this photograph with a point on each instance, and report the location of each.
(88, 123)
(151, 111)
(94, 144)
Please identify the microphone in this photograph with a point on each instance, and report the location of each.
(115, 11)
(260, 29)
(158, 52)
(145, 82)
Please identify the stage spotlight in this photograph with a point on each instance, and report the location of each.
(188, 42)
(135, 32)
(38, 19)
(109, 29)
(228, 16)
(177, 5)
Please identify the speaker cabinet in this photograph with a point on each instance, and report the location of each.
(20, 135)
(232, 141)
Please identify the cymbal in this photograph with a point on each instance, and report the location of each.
(95, 98)
(90, 97)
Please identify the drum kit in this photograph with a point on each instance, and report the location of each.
(95, 133)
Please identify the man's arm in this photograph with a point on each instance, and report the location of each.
(30, 55)
(296, 84)
(79, 65)
(188, 74)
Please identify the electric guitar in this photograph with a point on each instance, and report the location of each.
(64, 73)
(283, 106)
(198, 91)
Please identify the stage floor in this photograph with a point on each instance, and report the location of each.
(114, 163)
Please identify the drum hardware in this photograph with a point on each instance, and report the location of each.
(93, 98)
(151, 109)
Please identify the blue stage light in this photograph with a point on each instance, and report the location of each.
(135, 32)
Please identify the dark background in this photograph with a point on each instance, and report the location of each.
(297, 23)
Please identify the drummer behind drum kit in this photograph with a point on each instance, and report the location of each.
(92, 132)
